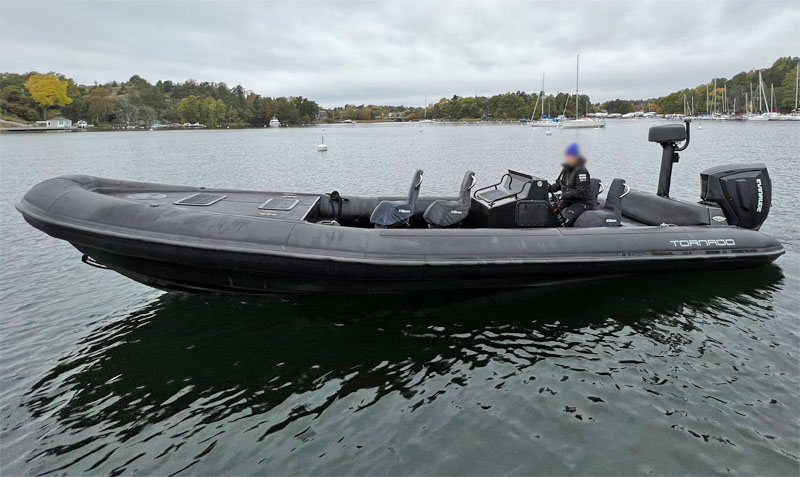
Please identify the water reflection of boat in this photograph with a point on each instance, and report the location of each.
(270, 368)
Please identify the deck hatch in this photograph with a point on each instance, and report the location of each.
(279, 203)
(201, 199)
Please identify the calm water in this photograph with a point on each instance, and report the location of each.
(672, 374)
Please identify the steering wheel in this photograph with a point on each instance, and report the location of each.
(554, 199)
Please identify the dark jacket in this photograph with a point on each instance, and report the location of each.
(574, 184)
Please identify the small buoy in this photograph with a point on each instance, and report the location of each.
(323, 129)
(322, 146)
(700, 126)
(548, 132)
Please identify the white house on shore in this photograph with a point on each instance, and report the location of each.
(57, 122)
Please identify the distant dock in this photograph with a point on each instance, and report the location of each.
(39, 129)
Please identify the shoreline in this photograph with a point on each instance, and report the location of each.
(463, 122)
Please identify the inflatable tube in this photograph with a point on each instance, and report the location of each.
(252, 242)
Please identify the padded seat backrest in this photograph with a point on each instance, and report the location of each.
(594, 186)
(392, 212)
(444, 213)
(413, 191)
(611, 214)
(614, 196)
(464, 194)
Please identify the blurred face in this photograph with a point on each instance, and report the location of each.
(570, 160)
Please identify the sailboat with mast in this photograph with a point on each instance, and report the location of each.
(580, 122)
(544, 120)
(762, 95)
(772, 113)
(795, 115)
(425, 114)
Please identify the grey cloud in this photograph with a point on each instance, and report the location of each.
(395, 52)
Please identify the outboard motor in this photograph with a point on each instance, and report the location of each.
(743, 191)
(738, 194)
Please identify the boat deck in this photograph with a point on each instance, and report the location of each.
(274, 205)
(255, 204)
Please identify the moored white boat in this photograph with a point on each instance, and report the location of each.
(579, 122)
(544, 120)
(582, 123)
(425, 113)
(544, 123)
(758, 117)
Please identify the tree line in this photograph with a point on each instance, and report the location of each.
(780, 77)
(729, 94)
(136, 102)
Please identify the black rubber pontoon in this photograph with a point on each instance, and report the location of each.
(253, 242)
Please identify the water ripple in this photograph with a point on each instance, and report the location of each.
(184, 374)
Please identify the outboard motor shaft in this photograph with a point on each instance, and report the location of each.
(743, 191)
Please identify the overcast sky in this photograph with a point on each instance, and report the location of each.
(394, 52)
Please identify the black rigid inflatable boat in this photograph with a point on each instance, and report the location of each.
(505, 235)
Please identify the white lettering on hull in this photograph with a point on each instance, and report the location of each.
(703, 243)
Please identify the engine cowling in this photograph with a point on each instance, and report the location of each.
(743, 191)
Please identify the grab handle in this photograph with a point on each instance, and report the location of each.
(686, 142)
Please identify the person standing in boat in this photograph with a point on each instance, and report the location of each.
(574, 184)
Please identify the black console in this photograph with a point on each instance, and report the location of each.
(518, 200)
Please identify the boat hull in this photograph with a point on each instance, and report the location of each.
(582, 124)
(180, 248)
